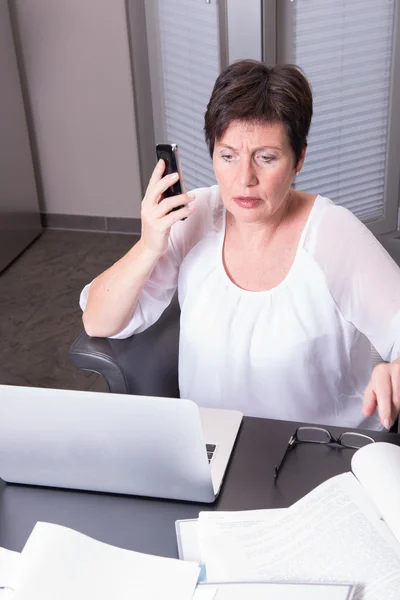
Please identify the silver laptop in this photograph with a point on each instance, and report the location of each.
(147, 446)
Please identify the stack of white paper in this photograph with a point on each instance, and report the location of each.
(60, 563)
(344, 531)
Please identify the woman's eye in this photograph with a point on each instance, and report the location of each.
(227, 157)
(265, 159)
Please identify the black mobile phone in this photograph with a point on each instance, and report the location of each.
(170, 154)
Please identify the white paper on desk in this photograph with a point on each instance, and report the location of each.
(334, 534)
(377, 466)
(187, 539)
(233, 523)
(274, 591)
(187, 530)
(59, 563)
(9, 562)
(204, 593)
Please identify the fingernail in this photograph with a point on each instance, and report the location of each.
(191, 195)
(386, 424)
(174, 176)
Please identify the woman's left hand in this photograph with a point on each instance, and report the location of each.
(383, 393)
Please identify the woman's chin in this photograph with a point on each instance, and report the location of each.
(247, 214)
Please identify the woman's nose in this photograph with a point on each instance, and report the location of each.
(247, 175)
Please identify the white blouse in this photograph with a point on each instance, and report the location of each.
(300, 351)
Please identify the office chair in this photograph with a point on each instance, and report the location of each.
(144, 364)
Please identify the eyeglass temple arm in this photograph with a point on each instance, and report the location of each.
(289, 447)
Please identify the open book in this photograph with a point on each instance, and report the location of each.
(346, 530)
(58, 563)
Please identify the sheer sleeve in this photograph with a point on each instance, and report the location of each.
(157, 294)
(362, 277)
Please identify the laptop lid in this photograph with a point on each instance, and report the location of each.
(106, 442)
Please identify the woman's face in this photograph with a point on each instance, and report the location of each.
(254, 167)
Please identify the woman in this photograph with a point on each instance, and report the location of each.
(281, 291)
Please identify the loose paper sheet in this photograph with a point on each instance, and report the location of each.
(9, 562)
(202, 593)
(377, 466)
(63, 564)
(187, 530)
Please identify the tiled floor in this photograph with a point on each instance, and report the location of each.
(39, 312)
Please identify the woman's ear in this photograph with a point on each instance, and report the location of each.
(300, 163)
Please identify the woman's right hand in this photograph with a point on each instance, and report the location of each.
(157, 218)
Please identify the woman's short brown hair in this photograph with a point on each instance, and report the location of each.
(248, 90)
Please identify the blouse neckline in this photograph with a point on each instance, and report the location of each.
(285, 280)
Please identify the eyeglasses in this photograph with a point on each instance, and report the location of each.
(319, 435)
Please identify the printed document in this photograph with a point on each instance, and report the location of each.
(337, 533)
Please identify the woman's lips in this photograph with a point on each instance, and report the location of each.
(247, 201)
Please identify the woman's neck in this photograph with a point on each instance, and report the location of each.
(259, 234)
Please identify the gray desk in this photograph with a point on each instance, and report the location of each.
(147, 525)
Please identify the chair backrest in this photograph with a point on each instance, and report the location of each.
(145, 364)
(155, 356)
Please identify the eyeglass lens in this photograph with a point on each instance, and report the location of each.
(313, 434)
(355, 440)
(320, 435)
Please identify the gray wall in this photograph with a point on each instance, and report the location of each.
(19, 211)
(76, 59)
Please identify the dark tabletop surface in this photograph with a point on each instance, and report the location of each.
(148, 525)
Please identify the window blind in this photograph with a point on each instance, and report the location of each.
(189, 40)
(345, 49)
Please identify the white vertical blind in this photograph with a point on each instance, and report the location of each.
(345, 49)
(189, 38)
